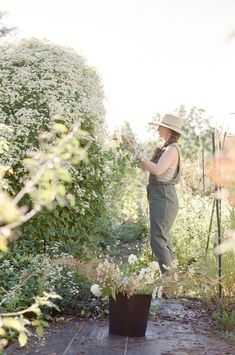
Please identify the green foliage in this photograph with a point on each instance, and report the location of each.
(37, 91)
(191, 229)
(225, 319)
(14, 324)
(45, 187)
(131, 231)
(23, 277)
(197, 129)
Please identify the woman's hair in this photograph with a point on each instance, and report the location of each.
(174, 137)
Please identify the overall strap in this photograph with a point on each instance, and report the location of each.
(178, 149)
(178, 166)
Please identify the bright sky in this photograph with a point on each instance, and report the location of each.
(152, 55)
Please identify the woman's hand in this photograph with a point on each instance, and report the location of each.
(135, 148)
(130, 145)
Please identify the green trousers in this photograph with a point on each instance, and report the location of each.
(163, 209)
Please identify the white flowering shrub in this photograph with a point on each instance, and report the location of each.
(41, 84)
(40, 80)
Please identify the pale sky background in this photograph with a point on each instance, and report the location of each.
(152, 55)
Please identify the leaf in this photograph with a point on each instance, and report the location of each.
(61, 320)
(2, 332)
(113, 293)
(106, 291)
(71, 199)
(64, 175)
(3, 343)
(61, 189)
(59, 127)
(30, 162)
(44, 323)
(48, 175)
(13, 323)
(52, 295)
(36, 311)
(39, 331)
(22, 338)
(46, 195)
(3, 244)
(48, 316)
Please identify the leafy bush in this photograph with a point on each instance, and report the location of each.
(41, 84)
(191, 228)
(44, 186)
(130, 231)
(23, 277)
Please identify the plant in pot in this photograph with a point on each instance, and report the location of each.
(130, 287)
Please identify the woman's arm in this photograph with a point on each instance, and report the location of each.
(169, 158)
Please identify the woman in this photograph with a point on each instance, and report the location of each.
(164, 169)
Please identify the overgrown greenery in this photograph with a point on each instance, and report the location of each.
(44, 187)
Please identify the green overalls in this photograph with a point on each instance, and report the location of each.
(163, 209)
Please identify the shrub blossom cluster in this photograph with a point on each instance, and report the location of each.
(107, 273)
(126, 284)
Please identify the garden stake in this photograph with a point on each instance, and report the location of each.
(210, 226)
(214, 200)
(203, 171)
(218, 218)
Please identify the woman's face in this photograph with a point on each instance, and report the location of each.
(163, 132)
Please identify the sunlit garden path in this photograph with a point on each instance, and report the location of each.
(178, 327)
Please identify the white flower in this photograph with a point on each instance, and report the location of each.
(149, 277)
(175, 263)
(154, 293)
(95, 289)
(132, 259)
(154, 266)
(157, 291)
(142, 273)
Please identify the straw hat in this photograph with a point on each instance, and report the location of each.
(170, 121)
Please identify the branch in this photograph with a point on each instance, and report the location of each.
(29, 215)
(29, 309)
(31, 184)
(15, 290)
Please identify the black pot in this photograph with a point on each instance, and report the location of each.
(129, 316)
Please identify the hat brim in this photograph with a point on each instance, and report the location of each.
(156, 124)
